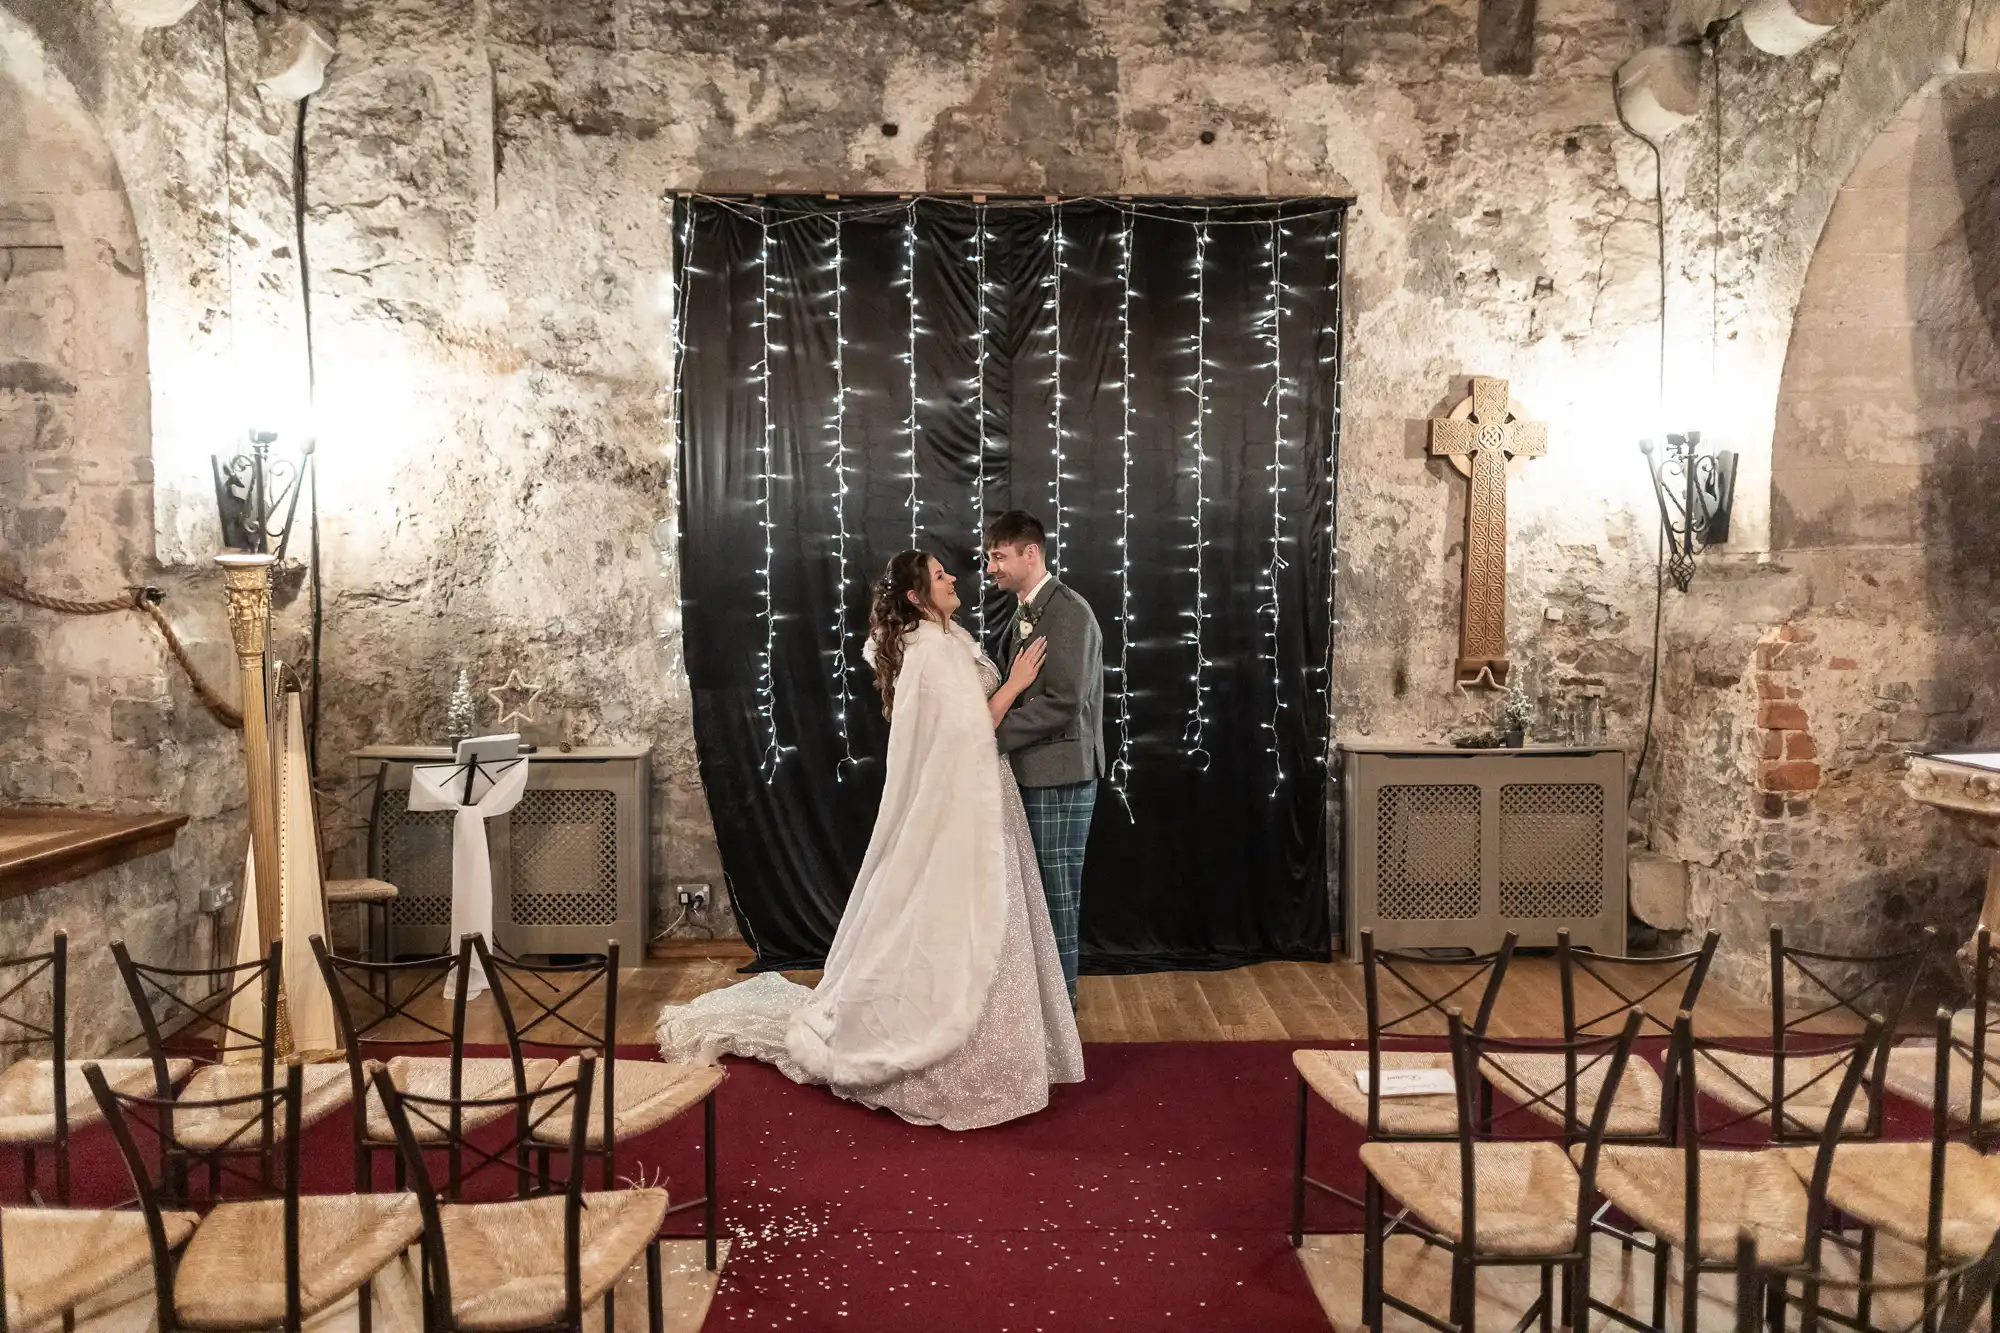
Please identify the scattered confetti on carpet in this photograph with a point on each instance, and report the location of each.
(1154, 1195)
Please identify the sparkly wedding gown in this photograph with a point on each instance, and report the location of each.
(943, 997)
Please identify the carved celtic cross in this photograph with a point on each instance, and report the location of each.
(1479, 436)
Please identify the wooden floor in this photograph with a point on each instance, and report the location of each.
(1262, 1002)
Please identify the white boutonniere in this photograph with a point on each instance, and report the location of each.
(1024, 623)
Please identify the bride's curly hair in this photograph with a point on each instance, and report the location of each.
(893, 616)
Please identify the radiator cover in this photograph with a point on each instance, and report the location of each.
(1451, 849)
(569, 862)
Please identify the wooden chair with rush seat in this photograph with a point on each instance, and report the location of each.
(272, 1261)
(378, 1007)
(55, 1262)
(574, 1007)
(1970, 1103)
(375, 897)
(528, 1264)
(221, 1118)
(1495, 1196)
(1696, 1197)
(1405, 1041)
(43, 1100)
(1627, 983)
(1597, 990)
(1947, 1300)
(1790, 1086)
(1939, 1195)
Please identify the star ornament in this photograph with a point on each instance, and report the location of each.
(514, 701)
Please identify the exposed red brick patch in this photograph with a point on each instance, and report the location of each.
(1784, 656)
(1790, 777)
(1772, 745)
(1794, 634)
(1781, 716)
(1844, 664)
(1769, 688)
(1798, 745)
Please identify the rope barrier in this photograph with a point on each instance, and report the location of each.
(147, 602)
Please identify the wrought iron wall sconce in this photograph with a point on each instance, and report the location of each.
(1696, 492)
(257, 494)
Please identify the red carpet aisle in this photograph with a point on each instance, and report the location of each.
(1152, 1196)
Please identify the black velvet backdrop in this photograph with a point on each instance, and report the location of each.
(1219, 860)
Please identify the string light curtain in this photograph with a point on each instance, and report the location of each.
(1159, 381)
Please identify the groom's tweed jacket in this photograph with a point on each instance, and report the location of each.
(1054, 734)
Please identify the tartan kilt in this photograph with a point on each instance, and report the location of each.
(1059, 821)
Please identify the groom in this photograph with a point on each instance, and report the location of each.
(1054, 734)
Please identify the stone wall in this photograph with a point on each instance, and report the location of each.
(94, 712)
(488, 242)
(490, 375)
(1873, 630)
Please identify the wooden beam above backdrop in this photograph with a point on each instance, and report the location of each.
(1506, 36)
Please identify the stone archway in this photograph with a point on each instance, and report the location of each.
(1795, 680)
(75, 410)
(96, 714)
(1886, 438)
(1871, 632)
(1885, 471)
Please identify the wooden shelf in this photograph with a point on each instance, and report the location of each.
(45, 845)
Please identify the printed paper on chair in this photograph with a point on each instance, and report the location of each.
(1410, 1082)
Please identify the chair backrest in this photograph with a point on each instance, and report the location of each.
(1581, 1058)
(1948, 1049)
(1694, 1054)
(157, 994)
(20, 1024)
(1978, 1048)
(1845, 1060)
(531, 1109)
(22, 1028)
(1951, 1050)
(1949, 1299)
(377, 1005)
(1629, 982)
(1874, 1039)
(1419, 993)
(156, 1115)
(1873, 984)
(556, 1000)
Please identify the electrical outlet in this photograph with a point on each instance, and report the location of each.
(215, 898)
(694, 897)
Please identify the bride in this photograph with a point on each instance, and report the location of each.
(943, 997)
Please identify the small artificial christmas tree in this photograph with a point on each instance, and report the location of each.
(460, 718)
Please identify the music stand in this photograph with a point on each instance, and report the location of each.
(482, 757)
(484, 782)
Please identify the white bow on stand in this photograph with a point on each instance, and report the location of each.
(477, 791)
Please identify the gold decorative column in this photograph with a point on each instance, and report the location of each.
(248, 586)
